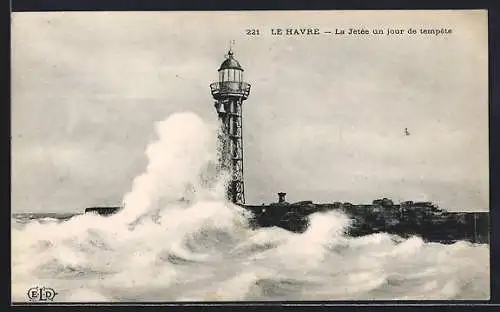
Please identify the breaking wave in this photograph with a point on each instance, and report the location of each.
(177, 239)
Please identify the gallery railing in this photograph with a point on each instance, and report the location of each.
(226, 88)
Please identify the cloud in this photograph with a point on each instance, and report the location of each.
(324, 120)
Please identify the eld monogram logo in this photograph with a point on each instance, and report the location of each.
(41, 294)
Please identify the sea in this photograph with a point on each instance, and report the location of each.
(177, 239)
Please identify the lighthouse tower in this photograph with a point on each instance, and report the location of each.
(229, 93)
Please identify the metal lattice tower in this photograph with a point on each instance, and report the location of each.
(230, 92)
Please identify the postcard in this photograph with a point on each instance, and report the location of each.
(249, 156)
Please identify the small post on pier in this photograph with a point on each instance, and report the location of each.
(281, 197)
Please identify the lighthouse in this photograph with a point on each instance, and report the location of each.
(229, 93)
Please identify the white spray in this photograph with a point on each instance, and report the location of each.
(176, 238)
(179, 164)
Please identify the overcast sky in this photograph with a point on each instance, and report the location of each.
(324, 120)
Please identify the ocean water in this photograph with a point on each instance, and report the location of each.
(160, 248)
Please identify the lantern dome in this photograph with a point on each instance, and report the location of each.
(230, 63)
